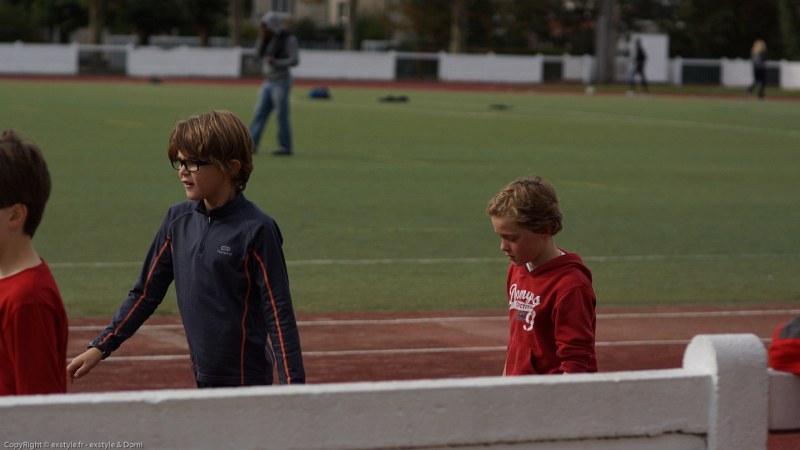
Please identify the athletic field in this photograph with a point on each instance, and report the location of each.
(685, 207)
(672, 200)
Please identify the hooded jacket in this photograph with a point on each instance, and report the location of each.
(552, 318)
(233, 294)
(280, 45)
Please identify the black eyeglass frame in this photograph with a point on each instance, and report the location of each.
(196, 163)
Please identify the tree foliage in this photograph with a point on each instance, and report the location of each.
(697, 28)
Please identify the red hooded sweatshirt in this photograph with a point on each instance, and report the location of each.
(552, 312)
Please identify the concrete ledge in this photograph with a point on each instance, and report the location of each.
(717, 401)
(784, 401)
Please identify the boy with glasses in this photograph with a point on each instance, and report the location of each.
(33, 323)
(226, 258)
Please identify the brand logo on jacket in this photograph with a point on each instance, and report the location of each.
(224, 250)
(524, 302)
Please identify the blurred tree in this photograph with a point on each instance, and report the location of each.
(59, 17)
(96, 21)
(524, 27)
(707, 29)
(459, 21)
(16, 23)
(605, 43)
(205, 15)
(351, 26)
(789, 16)
(235, 14)
(144, 17)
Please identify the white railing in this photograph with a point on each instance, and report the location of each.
(724, 397)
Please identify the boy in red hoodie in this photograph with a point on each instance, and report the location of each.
(550, 297)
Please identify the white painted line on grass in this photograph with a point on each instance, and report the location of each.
(480, 260)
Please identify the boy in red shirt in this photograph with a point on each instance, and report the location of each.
(33, 322)
(550, 297)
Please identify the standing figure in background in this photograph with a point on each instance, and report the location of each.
(758, 55)
(639, 60)
(278, 48)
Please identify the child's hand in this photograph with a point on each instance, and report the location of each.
(83, 363)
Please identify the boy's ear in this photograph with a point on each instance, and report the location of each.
(16, 216)
(235, 166)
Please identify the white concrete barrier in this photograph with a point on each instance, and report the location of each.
(498, 68)
(184, 62)
(790, 75)
(345, 65)
(718, 400)
(40, 59)
(53, 59)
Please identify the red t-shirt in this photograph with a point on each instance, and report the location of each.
(552, 318)
(33, 334)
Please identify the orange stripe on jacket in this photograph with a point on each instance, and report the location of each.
(144, 290)
(275, 313)
(244, 318)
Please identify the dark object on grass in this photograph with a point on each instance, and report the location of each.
(394, 99)
(499, 106)
(319, 92)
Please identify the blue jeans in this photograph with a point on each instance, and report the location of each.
(273, 95)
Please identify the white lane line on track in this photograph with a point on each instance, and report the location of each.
(418, 320)
(477, 260)
(412, 351)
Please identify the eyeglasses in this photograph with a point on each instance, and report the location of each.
(192, 165)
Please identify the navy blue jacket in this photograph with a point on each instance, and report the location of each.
(233, 294)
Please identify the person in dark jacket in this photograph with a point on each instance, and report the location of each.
(638, 62)
(278, 49)
(226, 259)
(758, 56)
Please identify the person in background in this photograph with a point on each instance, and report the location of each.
(33, 322)
(758, 56)
(638, 63)
(551, 301)
(784, 350)
(278, 48)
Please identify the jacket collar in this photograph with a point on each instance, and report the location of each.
(223, 210)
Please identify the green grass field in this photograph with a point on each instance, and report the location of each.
(671, 200)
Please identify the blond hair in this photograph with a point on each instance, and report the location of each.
(218, 137)
(758, 46)
(531, 202)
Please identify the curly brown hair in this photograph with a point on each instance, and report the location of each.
(531, 202)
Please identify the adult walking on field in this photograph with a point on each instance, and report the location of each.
(758, 56)
(639, 60)
(278, 49)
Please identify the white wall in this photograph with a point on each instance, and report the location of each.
(499, 68)
(720, 400)
(41, 59)
(184, 61)
(345, 65)
(790, 75)
(25, 59)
